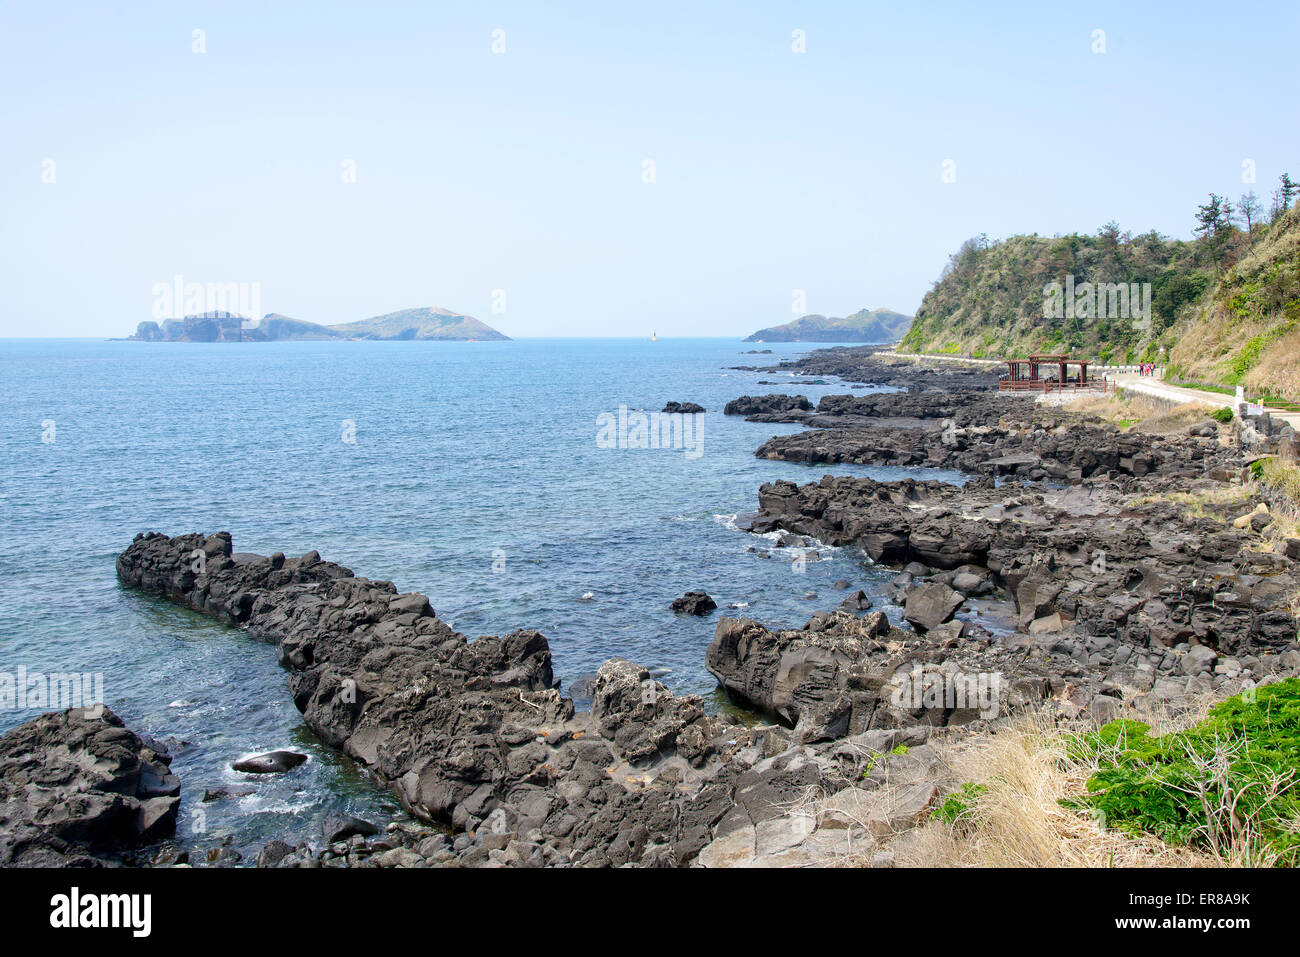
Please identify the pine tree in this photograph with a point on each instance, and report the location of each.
(1249, 208)
(1213, 221)
(1287, 190)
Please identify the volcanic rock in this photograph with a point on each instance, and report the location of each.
(78, 789)
(694, 603)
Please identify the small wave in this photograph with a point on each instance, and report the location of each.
(262, 804)
(794, 551)
(728, 521)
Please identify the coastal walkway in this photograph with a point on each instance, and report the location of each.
(1149, 385)
(1152, 386)
(1093, 368)
(1125, 377)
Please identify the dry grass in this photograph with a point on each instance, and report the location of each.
(1109, 406)
(1163, 419)
(1206, 351)
(1206, 347)
(1278, 370)
(1282, 472)
(1017, 820)
(1207, 504)
(1143, 413)
(1257, 335)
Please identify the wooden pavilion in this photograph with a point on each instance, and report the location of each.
(1047, 373)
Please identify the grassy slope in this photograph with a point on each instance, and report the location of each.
(1248, 332)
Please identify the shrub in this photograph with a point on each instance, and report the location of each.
(1226, 784)
(957, 804)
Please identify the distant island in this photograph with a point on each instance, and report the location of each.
(866, 325)
(425, 324)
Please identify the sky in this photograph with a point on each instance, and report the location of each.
(603, 169)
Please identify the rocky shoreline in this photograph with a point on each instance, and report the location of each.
(863, 364)
(474, 737)
(1091, 538)
(1117, 590)
(78, 789)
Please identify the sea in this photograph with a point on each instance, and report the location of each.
(476, 473)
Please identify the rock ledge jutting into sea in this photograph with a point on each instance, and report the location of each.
(474, 735)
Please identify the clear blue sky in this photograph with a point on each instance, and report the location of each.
(522, 171)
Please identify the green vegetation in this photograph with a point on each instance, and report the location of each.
(1247, 331)
(882, 758)
(1203, 386)
(421, 324)
(1282, 475)
(957, 804)
(991, 295)
(1224, 308)
(1226, 784)
(1222, 415)
(866, 325)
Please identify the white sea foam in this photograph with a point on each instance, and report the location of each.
(728, 521)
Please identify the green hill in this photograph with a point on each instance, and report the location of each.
(876, 325)
(1220, 310)
(990, 299)
(425, 323)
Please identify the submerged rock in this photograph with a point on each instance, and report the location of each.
(694, 603)
(224, 794)
(583, 686)
(273, 762)
(339, 827)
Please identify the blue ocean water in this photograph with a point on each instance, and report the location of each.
(475, 476)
